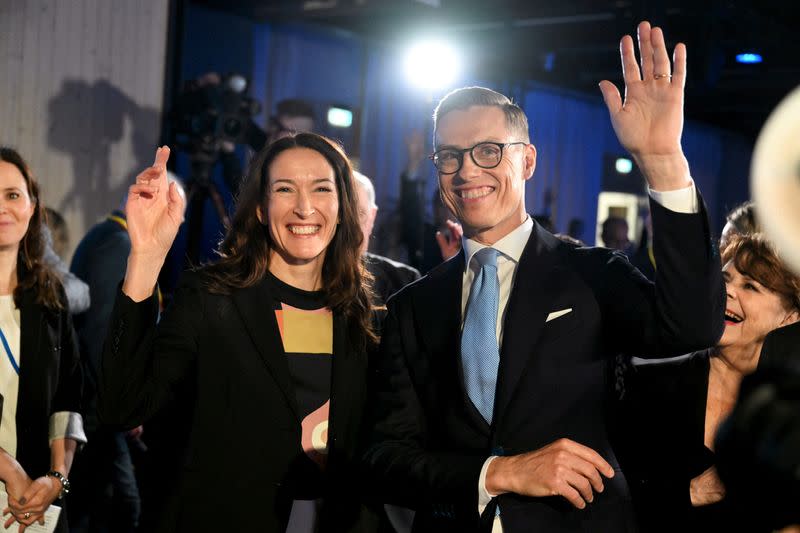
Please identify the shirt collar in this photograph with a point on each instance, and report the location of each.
(511, 246)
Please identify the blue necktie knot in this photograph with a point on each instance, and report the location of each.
(486, 257)
(480, 354)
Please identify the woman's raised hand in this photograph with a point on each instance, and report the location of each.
(154, 210)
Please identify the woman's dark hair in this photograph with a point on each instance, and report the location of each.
(245, 251)
(32, 273)
(754, 256)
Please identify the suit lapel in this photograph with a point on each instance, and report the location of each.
(535, 288)
(439, 313)
(256, 307)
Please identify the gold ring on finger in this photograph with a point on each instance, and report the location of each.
(661, 76)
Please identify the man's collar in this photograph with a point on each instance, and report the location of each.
(511, 246)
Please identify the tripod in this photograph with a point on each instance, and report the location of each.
(200, 188)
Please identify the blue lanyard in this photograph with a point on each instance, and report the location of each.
(8, 351)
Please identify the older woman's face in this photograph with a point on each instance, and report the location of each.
(752, 310)
(303, 205)
(16, 207)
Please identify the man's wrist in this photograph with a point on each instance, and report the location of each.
(665, 172)
(497, 476)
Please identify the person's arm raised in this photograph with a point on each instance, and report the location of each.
(649, 122)
(155, 211)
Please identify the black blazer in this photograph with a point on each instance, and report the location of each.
(429, 442)
(245, 427)
(50, 379)
(661, 433)
(660, 441)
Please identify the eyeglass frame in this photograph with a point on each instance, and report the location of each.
(462, 151)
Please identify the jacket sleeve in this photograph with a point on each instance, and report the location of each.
(65, 417)
(684, 310)
(144, 361)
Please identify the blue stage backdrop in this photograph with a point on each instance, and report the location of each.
(571, 131)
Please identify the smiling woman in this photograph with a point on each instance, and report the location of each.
(690, 397)
(40, 376)
(273, 338)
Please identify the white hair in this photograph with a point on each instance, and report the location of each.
(366, 183)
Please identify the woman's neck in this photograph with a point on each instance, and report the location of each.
(305, 276)
(736, 361)
(8, 269)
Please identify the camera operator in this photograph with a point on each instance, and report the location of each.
(291, 115)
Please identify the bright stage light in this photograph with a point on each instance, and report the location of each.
(432, 65)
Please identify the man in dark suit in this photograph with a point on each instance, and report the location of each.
(490, 389)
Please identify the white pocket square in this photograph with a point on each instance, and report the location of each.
(556, 314)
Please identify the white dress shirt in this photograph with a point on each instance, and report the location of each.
(511, 247)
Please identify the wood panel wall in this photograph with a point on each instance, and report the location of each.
(81, 89)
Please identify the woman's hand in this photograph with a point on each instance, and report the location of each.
(650, 121)
(155, 211)
(34, 502)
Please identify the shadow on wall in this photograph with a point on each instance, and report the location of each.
(91, 122)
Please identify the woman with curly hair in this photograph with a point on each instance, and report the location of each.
(40, 377)
(272, 338)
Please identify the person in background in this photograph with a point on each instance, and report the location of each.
(59, 231)
(56, 237)
(273, 338)
(389, 276)
(291, 116)
(615, 235)
(741, 220)
(40, 374)
(673, 408)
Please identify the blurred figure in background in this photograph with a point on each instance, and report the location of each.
(389, 276)
(59, 232)
(56, 239)
(615, 235)
(741, 220)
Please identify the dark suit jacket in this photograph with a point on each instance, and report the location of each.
(660, 442)
(429, 442)
(389, 276)
(661, 431)
(50, 379)
(100, 261)
(245, 428)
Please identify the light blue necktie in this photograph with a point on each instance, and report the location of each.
(480, 355)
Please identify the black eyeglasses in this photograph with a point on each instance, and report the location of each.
(486, 155)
